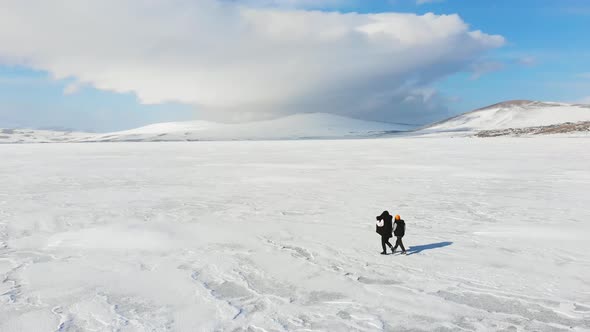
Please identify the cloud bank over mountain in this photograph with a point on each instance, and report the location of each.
(241, 61)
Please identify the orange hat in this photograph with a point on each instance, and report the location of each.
(397, 217)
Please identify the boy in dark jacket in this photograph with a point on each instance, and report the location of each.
(385, 228)
(399, 232)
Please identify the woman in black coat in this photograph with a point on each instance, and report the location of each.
(385, 228)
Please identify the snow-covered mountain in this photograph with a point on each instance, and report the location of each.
(513, 114)
(314, 125)
(299, 126)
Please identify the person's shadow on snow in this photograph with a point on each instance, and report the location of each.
(418, 249)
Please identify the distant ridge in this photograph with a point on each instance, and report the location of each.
(512, 114)
(297, 126)
(508, 103)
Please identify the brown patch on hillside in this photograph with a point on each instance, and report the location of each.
(562, 128)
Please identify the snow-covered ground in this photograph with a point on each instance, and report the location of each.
(280, 236)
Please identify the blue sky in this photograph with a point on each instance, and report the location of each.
(552, 34)
(545, 56)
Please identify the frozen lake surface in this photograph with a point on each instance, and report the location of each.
(280, 236)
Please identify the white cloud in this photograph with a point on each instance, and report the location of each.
(237, 61)
(422, 2)
(454, 99)
(527, 61)
(292, 3)
(585, 100)
(72, 88)
(482, 68)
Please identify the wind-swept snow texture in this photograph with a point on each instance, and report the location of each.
(514, 114)
(280, 236)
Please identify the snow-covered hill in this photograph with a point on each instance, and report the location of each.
(513, 114)
(315, 125)
(299, 126)
(40, 136)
